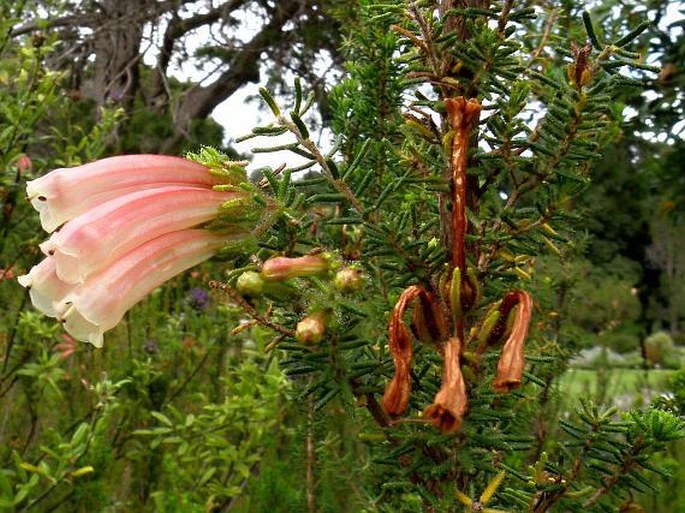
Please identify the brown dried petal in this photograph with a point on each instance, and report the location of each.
(396, 396)
(511, 362)
(463, 113)
(463, 117)
(504, 325)
(428, 319)
(449, 405)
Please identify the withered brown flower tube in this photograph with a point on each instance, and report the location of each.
(428, 319)
(511, 362)
(396, 396)
(463, 116)
(449, 405)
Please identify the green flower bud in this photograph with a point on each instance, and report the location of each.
(250, 283)
(348, 280)
(311, 329)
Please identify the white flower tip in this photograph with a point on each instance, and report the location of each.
(82, 329)
(43, 303)
(48, 247)
(39, 201)
(68, 268)
(25, 280)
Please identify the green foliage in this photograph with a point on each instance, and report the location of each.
(220, 405)
(390, 187)
(612, 455)
(212, 453)
(660, 350)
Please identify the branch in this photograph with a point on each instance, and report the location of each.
(199, 102)
(249, 309)
(177, 28)
(98, 19)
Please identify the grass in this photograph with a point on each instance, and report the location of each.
(608, 384)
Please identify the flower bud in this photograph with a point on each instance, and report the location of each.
(311, 329)
(285, 268)
(455, 296)
(488, 323)
(348, 280)
(24, 164)
(250, 283)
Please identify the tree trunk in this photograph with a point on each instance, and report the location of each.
(117, 50)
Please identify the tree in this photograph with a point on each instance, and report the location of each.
(639, 177)
(667, 253)
(103, 48)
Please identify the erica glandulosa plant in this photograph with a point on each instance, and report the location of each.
(398, 275)
(464, 129)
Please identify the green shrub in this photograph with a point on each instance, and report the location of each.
(660, 349)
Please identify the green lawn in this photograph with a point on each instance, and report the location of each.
(576, 383)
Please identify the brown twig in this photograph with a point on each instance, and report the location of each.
(545, 36)
(249, 309)
(503, 17)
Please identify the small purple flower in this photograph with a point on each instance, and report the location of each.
(151, 346)
(198, 299)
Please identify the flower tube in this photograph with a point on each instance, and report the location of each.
(449, 406)
(99, 236)
(98, 305)
(65, 193)
(511, 362)
(128, 224)
(396, 396)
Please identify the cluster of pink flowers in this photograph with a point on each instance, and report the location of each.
(120, 227)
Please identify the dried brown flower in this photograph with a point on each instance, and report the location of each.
(449, 405)
(463, 116)
(396, 396)
(511, 362)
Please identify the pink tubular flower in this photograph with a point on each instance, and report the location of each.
(67, 192)
(100, 303)
(129, 224)
(125, 221)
